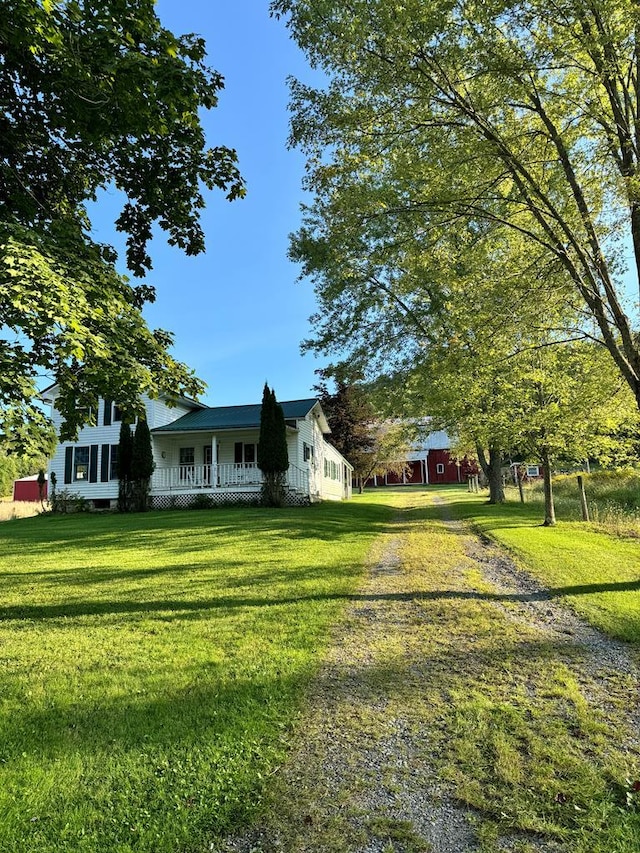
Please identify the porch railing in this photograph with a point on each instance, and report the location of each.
(227, 475)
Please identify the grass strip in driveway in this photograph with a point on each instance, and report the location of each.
(597, 573)
(439, 688)
(151, 666)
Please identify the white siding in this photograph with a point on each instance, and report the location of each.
(158, 413)
(326, 488)
(336, 483)
(166, 451)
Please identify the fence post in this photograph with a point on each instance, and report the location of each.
(583, 499)
(519, 482)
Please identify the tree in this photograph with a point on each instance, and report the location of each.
(8, 473)
(349, 411)
(372, 447)
(95, 96)
(555, 403)
(386, 453)
(124, 467)
(13, 466)
(522, 115)
(273, 456)
(142, 465)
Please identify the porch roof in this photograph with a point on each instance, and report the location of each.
(233, 417)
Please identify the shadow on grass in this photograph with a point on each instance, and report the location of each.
(321, 521)
(180, 608)
(216, 698)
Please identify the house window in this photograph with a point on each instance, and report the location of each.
(117, 413)
(326, 467)
(81, 463)
(187, 460)
(113, 462)
(533, 471)
(187, 456)
(307, 452)
(440, 468)
(245, 453)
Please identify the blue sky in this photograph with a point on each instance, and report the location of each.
(237, 312)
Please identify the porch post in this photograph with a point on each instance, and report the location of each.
(214, 462)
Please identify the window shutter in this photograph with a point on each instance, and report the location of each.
(93, 464)
(68, 464)
(104, 463)
(107, 412)
(237, 452)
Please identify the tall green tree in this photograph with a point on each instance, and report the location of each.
(520, 115)
(95, 95)
(370, 444)
(349, 412)
(142, 465)
(273, 455)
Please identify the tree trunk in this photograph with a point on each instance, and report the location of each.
(519, 482)
(549, 508)
(492, 469)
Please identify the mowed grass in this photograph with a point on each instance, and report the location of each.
(515, 721)
(525, 732)
(596, 573)
(151, 666)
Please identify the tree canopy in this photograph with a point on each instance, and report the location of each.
(444, 116)
(368, 442)
(95, 95)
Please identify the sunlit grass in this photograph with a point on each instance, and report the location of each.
(151, 666)
(152, 670)
(597, 573)
(613, 498)
(18, 509)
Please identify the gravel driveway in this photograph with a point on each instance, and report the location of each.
(361, 778)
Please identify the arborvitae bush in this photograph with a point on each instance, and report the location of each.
(273, 456)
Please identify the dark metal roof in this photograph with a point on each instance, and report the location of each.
(234, 417)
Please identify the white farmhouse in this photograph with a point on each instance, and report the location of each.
(199, 450)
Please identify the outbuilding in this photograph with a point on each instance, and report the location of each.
(27, 489)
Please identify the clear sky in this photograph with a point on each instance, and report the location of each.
(237, 312)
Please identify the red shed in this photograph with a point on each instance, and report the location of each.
(27, 489)
(441, 468)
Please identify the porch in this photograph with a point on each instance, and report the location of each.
(245, 477)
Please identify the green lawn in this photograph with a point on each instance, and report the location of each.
(597, 573)
(151, 666)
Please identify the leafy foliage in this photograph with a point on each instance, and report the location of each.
(95, 96)
(349, 411)
(449, 114)
(14, 466)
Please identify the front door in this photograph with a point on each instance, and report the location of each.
(207, 458)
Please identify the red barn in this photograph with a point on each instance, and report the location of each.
(27, 489)
(430, 463)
